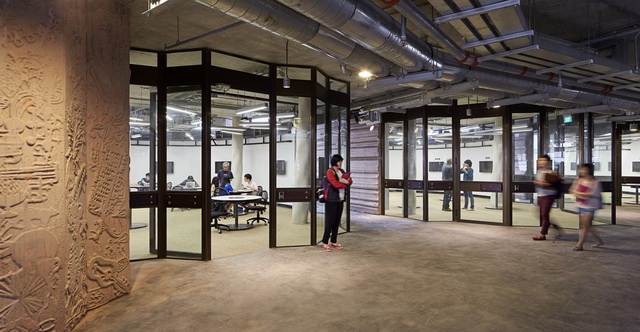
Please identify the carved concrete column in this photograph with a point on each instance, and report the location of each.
(64, 205)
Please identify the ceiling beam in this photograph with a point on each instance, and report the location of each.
(476, 11)
(499, 39)
(567, 66)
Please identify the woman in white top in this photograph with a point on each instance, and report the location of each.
(587, 191)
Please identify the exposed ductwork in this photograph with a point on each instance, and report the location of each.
(283, 21)
(371, 27)
(363, 27)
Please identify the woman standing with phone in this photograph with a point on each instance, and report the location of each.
(339, 180)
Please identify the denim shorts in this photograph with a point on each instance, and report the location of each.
(586, 211)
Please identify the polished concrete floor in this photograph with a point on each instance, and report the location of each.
(396, 275)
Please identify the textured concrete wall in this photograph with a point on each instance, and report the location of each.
(366, 159)
(63, 160)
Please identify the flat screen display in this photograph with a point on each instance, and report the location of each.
(635, 166)
(485, 166)
(436, 166)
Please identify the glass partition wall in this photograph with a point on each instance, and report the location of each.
(197, 112)
(480, 163)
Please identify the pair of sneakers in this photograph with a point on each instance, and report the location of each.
(327, 248)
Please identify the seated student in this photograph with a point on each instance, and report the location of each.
(215, 182)
(189, 182)
(145, 181)
(226, 184)
(226, 189)
(248, 184)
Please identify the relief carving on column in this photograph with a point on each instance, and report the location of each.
(107, 266)
(31, 148)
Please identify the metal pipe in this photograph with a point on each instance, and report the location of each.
(278, 19)
(635, 46)
(368, 25)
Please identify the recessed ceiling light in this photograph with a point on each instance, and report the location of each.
(365, 74)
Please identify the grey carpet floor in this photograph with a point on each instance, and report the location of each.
(395, 275)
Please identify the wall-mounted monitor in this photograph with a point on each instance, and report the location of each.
(635, 166)
(281, 167)
(596, 166)
(574, 166)
(436, 166)
(485, 166)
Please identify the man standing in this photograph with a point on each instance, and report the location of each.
(447, 175)
(225, 171)
(546, 194)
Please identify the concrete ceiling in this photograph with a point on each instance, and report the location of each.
(575, 21)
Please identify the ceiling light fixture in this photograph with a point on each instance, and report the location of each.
(135, 119)
(365, 74)
(633, 126)
(175, 109)
(252, 108)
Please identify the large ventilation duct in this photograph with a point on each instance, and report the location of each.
(371, 27)
(520, 85)
(283, 21)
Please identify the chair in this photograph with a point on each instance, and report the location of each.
(260, 207)
(169, 185)
(218, 210)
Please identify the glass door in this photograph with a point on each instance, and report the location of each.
(525, 138)
(440, 168)
(184, 172)
(415, 164)
(294, 151)
(394, 168)
(480, 169)
(600, 141)
(142, 172)
(629, 147)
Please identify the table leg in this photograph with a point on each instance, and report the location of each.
(237, 226)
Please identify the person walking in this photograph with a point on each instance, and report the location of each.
(467, 172)
(447, 175)
(335, 196)
(587, 191)
(547, 193)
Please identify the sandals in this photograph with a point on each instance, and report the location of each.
(577, 249)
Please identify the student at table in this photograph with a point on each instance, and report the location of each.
(145, 181)
(225, 171)
(226, 184)
(249, 184)
(189, 182)
(215, 183)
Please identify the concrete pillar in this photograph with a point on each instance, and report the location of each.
(236, 155)
(302, 165)
(64, 163)
(496, 157)
(412, 155)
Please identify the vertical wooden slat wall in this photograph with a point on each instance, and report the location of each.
(364, 166)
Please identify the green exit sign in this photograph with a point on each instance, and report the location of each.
(568, 118)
